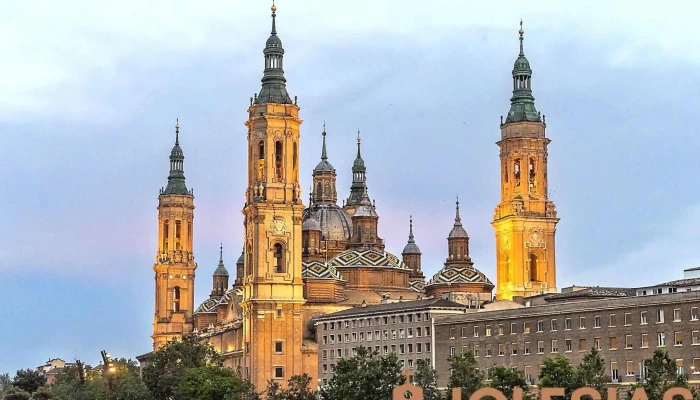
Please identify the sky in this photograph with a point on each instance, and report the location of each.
(89, 94)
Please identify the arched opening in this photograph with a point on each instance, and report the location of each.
(249, 258)
(319, 190)
(176, 299)
(505, 175)
(178, 234)
(295, 155)
(278, 159)
(533, 267)
(166, 234)
(261, 160)
(532, 172)
(279, 258)
(516, 169)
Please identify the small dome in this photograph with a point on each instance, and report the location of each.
(176, 151)
(273, 41)
(324, 166)
(311, 224)
(367, 258)
(521, 64)
(241, 259)
(221, 271)
(365, 209)
(335, 222)
(319, 270)
(455, 275)
(411, 248)
(458, 232)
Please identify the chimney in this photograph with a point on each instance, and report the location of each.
(364, 303)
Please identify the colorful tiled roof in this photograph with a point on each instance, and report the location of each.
(367, 258)
(456, 275)
(417, 286)
(208, 307)
(318, 270)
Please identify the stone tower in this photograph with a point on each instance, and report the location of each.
(411, 256)
(525, 220)
(272, 281)
(175, 266)
(220, 277)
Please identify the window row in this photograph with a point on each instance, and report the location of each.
(387, 334)
(395, 349)
(553, 324)
(376, 321)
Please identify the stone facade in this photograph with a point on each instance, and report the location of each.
(626, 330)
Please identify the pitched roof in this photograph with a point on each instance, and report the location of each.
(394, 307)
(593, 292)
(682, 282)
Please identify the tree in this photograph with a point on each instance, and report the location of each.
(465, 374)
(29, 380)
(661, 375)
(298, 389)
(167, 365)
(5, 383)
(506, 379)
(127, 384)
(209, 383)
(43, 393)
(558, 372)
(591, 372)
(16, 394)
(426, 379)
(365, 376)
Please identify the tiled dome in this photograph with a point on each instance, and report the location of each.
(367, 258)
(318, 270)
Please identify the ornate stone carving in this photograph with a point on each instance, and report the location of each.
(279, 226)
(505, 242)
(297, 220)
(259, 219)
(536, 237)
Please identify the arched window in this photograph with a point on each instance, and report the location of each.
(249, 258)
(176, 299)
(178, 234)
(533, 267)
(166, 234)
(516, 171)
(295, 155)
(261, 160)
(319, 190)
(531, 172)
(279, 258)
(278, 159)
(506, 172)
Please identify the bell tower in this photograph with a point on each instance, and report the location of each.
(272, 276)
(525, 219)
(175, 266)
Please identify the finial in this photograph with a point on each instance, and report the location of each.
(274, 9)
(358, 136)
(221, 253)
(311, 195)
(410, 231)
(358, 144)
(324, 155)
(458, 220)
(521, 32)
(177, 131)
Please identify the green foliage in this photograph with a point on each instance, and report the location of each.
(16, 394)
(365, 376)
(465, 374)
(43, 393)
(127, 384)
(211, 383)
(29, 380)
(426, 379)
(591, 372)
(507, 379)
(5, 383)
(167, 366)
(662, 374)
(558, 372)
(298, 389)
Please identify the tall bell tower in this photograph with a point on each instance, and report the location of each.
(273, 286)
(175, 266)
(525, 220)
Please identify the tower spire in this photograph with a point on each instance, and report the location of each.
(221, 255)
(458, 220)
(176, 177)
(359, 177)
(522, 103)
(274, 15)
(324, 155)
(177, 131)
(410, 230)
(457, 229)
(274, 89)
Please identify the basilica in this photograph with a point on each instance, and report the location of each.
(301, 261)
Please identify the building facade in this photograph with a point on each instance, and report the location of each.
(402, 328)
(625, 329)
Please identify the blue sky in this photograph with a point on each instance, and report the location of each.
(89, 96)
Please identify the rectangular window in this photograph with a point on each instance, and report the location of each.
(347, 324)
(540, 347)
(613, 343)
(678, 338)
(369, 336)
(582, 345)
(512, 328)
(488, 350)
(393, 333)
(476, 350)
(402, 334)
(500, 329)
(661, 339)
(347, 338)
(553, 325)
(354, 337)
(427, 347)
(419, 331)
(402, 349)
(464, 331)
(645, 340)
(427, 331)
(410, 364)
(611, 323)
(567, 324)
(540, 326)
(567, 345)
(596, 343)
(401, 319)
(476, 331)
(419, 347)
(362, 336)
(696, 366)
(393, 348)
(596, 321)
(613, 372)
(628, 341)
(528, 375)
(279, 372)
(526, 327)
(393, 319)
(526, 351)
(409, 333)
(409, 349)
(419, 317)
(676, 315)
(325, 368)
(410, 318)
(628, 319)
(386, 320)
(488, 330)
(694, 314)
(582, 323)
(643, 317)
(695, 337)
(452, 351)
(501, 349)
(325, 355)
(630, 368)
(278, 347)
(452, 333)
(325, 339)
(659, 316)
(513, 349)
(555, 348)
(679, 366)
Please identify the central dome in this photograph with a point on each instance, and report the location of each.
(336, 224)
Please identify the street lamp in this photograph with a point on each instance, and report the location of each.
(109, 369)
